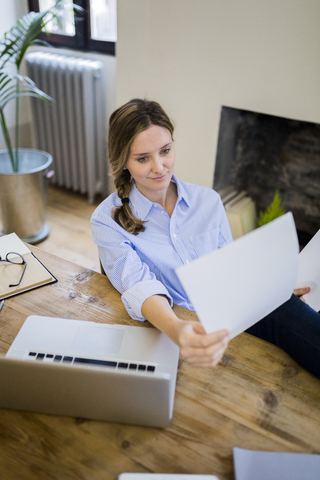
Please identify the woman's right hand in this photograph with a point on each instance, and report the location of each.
(201, 348)
(197, 346)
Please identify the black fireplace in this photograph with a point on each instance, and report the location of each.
(262, 153)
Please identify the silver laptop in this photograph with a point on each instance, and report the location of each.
(83, 369)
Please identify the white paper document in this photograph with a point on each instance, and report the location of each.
(254, 465)
(237, 285)
(165, 476)
(309, 272)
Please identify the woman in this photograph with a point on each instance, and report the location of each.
(154, 223)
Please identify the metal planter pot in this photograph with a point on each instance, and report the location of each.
(23, 195)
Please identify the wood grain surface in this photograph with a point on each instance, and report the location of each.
(256, 398)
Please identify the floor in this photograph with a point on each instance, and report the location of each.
(68, 216)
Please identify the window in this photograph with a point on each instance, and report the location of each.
(93, 29)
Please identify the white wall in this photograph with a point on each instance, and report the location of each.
(195, 56)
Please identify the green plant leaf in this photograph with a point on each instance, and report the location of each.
(13, 47)
(274, 211)
(27, 87)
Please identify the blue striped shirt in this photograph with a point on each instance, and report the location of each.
(143, 265)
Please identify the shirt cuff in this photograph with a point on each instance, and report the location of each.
(134, 297)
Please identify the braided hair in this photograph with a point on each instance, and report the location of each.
(125, 124)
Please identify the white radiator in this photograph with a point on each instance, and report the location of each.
(72, 127)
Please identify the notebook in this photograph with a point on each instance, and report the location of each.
(83, 369)
(36, 274)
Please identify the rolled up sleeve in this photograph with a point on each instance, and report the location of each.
(134, 297)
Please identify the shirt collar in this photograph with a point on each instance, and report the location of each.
(182, 193)
(141, 205)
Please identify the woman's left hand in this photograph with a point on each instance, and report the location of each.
(299, 292)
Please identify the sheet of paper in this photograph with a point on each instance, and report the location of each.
(165, 476)
(253, 465)
(309, 271)
(236, 286)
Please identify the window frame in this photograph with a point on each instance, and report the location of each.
(82, 40)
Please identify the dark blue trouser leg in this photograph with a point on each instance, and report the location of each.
(294, 327)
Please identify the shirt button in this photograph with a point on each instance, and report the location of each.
(174, 235)
(187, 261)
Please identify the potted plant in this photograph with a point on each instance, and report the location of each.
(23, 172)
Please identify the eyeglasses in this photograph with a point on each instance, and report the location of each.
(11, 257)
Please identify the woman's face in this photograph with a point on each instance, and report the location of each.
(151, 160)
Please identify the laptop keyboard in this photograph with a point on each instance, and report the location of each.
(138, 367)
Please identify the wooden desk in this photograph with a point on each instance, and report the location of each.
(257, 398)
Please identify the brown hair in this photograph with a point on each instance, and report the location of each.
(124, 125)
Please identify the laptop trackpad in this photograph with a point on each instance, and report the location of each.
(100, 340)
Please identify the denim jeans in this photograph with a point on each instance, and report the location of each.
(294, 327)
